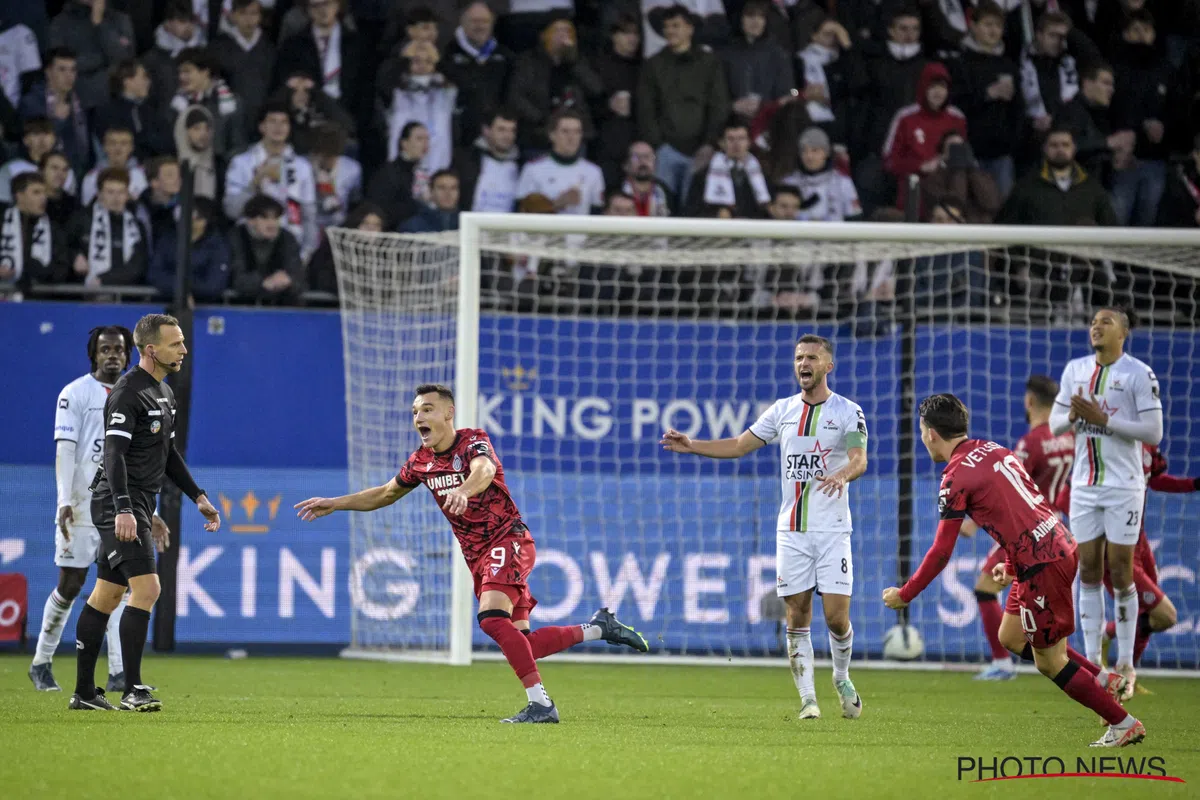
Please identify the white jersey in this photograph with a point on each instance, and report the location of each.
(551, 178)
(1124, 389)
(18, 54)
(79, 418)
(814, 441)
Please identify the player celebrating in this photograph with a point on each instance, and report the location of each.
(463, 472)
(1112, 400)
(79, 443)
(989, 483)
(822, 446)
(1047, 459)
(139, 423)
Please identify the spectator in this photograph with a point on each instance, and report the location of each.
(37, 139)
(1061, 192)
(617, 67)
(1049, 71)
(479, 66)
(118, 152)
(330, 50)
(952, 23)
(266, 261)
(105, 238)
(128, 108)
(757, 67)
(443, 214)
(423, 95)
(156, 207)
(953, 280)
(1100, 147)
(733, 178)
(1140, 105)
(272, 168)
(209, 260)
(246, 57)
(54, 97)
(61, 205)
(650, 196)
(32, 246)
(23, 57)
(789, 288)
(338, 177)
(402, 186)
(177, 32)
(489, 169)
(551, 77)
(322, 273)
(194, 143)
(959, 182)
(574, 184)
(420, 25)
(527, 20)
(682, 101)
(620, 204)
(984, 86)
(309, 108)
(826, 194)
(833, 77)
(912, 143)
(100, 37)
(198, 85)
(708, 18)
(1180, 205)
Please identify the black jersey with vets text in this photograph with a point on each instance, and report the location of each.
(141, 410)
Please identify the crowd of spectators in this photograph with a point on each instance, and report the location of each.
(298, 115)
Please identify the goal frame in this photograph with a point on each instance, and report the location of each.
(473, 225)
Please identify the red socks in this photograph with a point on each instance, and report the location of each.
(1081, 687)
(515, 646)
(990, 615)
(1080, 659)
(548, 641)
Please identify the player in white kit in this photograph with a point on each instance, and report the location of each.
(79, 445)
(822, 446)
(1111, 400)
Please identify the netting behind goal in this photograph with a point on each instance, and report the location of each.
(589, 346)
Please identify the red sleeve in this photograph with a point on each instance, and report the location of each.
(407, 476)
(1172, 484)
(1062, 503)
(899, 158)
(935, 560)
(479, 444)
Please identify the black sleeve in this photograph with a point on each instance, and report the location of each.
(115, 448)
(181, 476)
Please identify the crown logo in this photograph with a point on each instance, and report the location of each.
(250, 505)
(518, 378)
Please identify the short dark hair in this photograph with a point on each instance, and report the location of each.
(262, 205)
(122, 71)
(24, 180)
(37, 125)
(363, 210)
(988, 8)
(1141, 16)
(561, 114)
(1059, 126)
(53, 154)
(440, 389)
(443, 173)
(1052, 18)
(614, 194)
(117, 127)
(198, 57)
(93, 343)
(625, 23)
(112, 175)
(1092, 71)
(812, 338)
(147, 329)
(945, 414)
(155, 165)
(733, 123)
(328, 139)
(500, 112)
(419, 15)
(678, 10)
(238, 5)
(1043, 388)
(785, 188)
(179, 9)
(1126, 314)
(207, 208)
(903, 10)
(56, 53)
(408, 128)
(759, 7)
(276, 105)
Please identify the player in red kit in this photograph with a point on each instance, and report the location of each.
(988, 482)
(1048, 460)
(462, 470)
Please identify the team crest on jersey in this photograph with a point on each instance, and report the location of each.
(457, 463)
(155, 426)
(1116, 385)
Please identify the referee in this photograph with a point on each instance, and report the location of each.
(139, 426)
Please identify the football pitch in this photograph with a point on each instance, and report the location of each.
(289, 727)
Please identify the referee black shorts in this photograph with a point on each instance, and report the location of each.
(119, 561)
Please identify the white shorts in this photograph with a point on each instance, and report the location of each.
(820, 559)
(80, 551)
(1115, 514)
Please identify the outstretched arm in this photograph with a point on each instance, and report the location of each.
(678, 442)
(367, 500)
(931, 566)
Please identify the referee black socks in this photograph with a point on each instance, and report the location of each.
(89, 634)
(135, 622)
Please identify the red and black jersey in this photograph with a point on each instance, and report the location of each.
(490, 515)
(1049, 460)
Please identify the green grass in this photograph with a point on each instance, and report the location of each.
(278, 727)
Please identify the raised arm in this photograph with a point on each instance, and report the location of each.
(483, 471)
(677, 442)
(366, 500)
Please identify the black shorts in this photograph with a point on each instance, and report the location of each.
(119, 561)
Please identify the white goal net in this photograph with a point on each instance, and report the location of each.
(576, 341)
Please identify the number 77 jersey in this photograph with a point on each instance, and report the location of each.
(814, 442)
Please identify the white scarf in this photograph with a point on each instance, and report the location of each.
(12, 244)
(718, 187)
(816, 57)
(904, 52)
(165, 40)
(100, 255)
(289, 191)
(1031, 88)
(246, 44)
(331, 60)
(480, 54)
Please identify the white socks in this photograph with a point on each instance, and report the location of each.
(590, 632)
(1125, 606)
(537, 694)
(116, 664)
(800, 655)
(54, 618)
(1091, 620)
(841, 648)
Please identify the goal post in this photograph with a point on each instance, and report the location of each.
(574, 340)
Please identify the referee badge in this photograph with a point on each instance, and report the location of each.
(155, 426)
(457, 463)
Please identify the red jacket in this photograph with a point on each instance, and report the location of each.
(917, 130)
